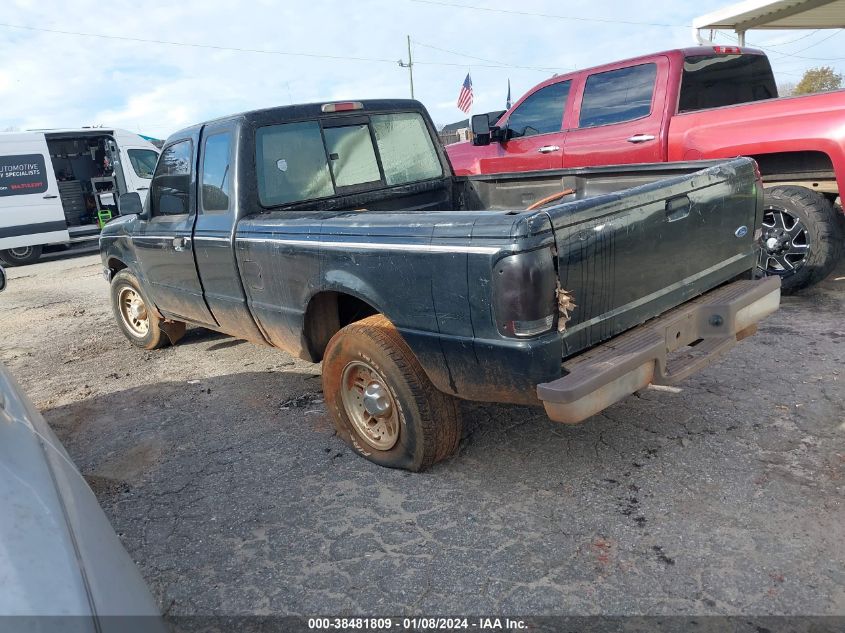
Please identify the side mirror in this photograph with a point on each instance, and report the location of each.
(2, 279)
(480, 125)
(130, 204)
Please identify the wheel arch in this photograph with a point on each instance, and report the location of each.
(115, 264)
(327, 312)
(813, 169)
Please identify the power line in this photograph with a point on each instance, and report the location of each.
(202, 46)
(491, 61)
(632, 22)
(793, 54)
(797, 39)
(141, 40)
(547, 15)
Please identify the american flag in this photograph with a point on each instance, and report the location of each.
(465, 96)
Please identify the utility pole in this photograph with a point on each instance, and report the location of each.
(409, 66)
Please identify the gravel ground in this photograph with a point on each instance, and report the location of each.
(219, 469)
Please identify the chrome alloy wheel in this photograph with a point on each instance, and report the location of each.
(369, 405)
(785, 243)
(133, 311)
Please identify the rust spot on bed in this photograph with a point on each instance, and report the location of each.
(565, 305)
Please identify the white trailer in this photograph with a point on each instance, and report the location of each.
(57, 187)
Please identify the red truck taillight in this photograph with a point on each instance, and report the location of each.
(727, 50)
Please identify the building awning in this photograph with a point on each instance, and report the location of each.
(777, 14)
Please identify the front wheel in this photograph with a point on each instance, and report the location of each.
(802, 237)
(22, 255)
(382, 402)
(135, 316)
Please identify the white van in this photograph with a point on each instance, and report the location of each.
(58, 187)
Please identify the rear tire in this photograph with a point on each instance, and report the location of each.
(382, 402)
(802, 237)
(21, 256)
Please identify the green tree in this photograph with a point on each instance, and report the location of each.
(818, 80)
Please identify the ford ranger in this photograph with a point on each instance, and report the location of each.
(339, 233)
(689, 104)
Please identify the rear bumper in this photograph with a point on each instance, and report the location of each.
(659, 352)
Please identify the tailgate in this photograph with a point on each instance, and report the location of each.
(629, 256)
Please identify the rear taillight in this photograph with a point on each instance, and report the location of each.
(727, 50)
(524, 293)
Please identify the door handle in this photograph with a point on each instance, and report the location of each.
(181, 244)
(548, 149)
(641, 138)
(141, 188)
(50, 197)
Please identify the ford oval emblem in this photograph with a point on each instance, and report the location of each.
(741, 231)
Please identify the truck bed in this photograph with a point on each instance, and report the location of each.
(635, 241)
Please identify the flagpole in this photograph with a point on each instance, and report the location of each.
(471, 101)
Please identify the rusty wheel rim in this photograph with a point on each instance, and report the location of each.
(369, 405)
(133, 311)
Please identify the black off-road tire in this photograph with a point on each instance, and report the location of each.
(155, 336)
(23, 256)
(823, 232)
(429, 420)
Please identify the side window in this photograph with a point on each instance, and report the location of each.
(171, 186)
(143, 162)
(541, 113)
(618, 95)
(216, 173)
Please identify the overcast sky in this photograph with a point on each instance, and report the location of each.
(50, 79)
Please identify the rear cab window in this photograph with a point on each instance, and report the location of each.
(318, 159)
(714, 81)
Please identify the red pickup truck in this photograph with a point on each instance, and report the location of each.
(689, 104)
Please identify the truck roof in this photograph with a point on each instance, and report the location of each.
(674, 52)
(305, 111)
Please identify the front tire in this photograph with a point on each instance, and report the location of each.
(382, 402)
(21, 256)
(135, 316)
(802, 237)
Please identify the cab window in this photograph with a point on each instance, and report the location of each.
(618, 95)
(541, 112)
(170, 192)
(216, 173)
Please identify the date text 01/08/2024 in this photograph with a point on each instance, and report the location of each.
(417, 623)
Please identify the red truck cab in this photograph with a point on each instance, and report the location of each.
(688, 104)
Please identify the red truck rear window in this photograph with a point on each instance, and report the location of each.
(713, 81)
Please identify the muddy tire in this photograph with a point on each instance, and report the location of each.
(133, 313)
(381, 401)
(21, 256)
(802, 237)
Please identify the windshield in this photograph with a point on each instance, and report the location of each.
(713, 81)
(143, 162)
(312, 159)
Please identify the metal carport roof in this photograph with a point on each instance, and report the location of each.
(777, 14)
